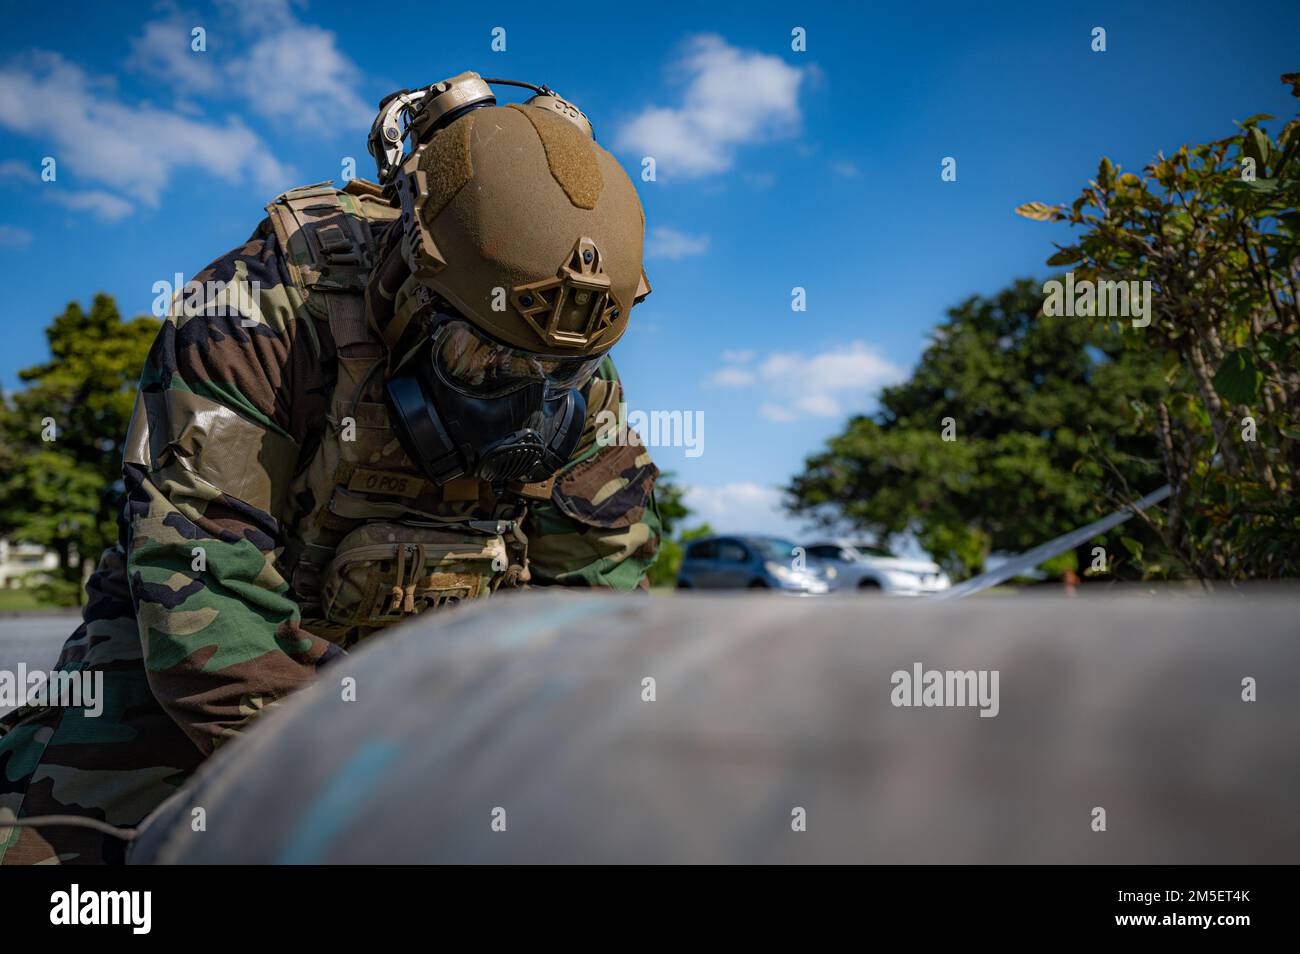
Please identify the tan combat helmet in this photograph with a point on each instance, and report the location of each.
(513, 214)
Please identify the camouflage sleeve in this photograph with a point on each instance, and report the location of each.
(600, 526)
(221, 412)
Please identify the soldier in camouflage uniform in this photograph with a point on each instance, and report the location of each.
(285, 497)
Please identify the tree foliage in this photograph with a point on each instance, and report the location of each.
(59, 492)
(1215, 229)
(1024, 400)
(673, 511)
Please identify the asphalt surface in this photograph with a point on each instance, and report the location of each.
(34, 640)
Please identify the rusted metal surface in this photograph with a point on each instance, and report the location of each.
(765, 705)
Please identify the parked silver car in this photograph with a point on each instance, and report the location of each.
(865, 567)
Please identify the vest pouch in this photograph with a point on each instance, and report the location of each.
(383, 572)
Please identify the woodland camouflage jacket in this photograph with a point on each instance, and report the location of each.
(240, 485)
(235, 446)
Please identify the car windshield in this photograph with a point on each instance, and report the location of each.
(872, 551)
(773, 549)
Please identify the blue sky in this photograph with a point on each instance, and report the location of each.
(775, 168)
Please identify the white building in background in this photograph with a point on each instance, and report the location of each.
(18, 559)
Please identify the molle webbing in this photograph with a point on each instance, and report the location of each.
(331, 242)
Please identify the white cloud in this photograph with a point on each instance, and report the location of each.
(265, 16)
(132, 149)
(828, 384)
(12, 236)
(776, 412)
(733, 373)
(853, 366)
(731, 97)
(302, 77)
(733, 377)
(107, 206)
(287, 71)
(284, 69)
(742, 507)
(163, 50)
(845, 169)
(672, 244)
(17, 169)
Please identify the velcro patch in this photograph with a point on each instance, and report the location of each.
(609, 489)
(384, 482)
(460, 489)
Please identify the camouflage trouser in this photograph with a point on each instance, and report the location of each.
(115, 767)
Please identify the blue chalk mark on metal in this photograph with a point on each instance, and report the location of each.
(335, 807)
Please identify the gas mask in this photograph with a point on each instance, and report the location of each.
(466, 405)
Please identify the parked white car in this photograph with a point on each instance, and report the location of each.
(867, 568)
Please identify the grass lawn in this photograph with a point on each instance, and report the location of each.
(20, 599)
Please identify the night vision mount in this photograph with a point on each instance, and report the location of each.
(409, 117)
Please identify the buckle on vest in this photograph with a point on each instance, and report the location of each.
(336, 248)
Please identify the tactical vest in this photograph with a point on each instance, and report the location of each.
(369, 539)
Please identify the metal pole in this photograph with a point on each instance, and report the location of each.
(1043, 552)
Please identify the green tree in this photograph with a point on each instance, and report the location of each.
(1215, 229)
(61, 437)
(671, 502)
(991, 445)
(670, 499)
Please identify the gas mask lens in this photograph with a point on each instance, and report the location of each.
(479, 367)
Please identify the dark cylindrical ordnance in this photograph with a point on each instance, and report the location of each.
(559, 727)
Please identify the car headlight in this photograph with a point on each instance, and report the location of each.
(780, 571)
(904, 581)
(831, 572)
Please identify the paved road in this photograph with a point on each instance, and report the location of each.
(34, 640)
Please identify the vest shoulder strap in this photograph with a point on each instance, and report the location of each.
(330, 237)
